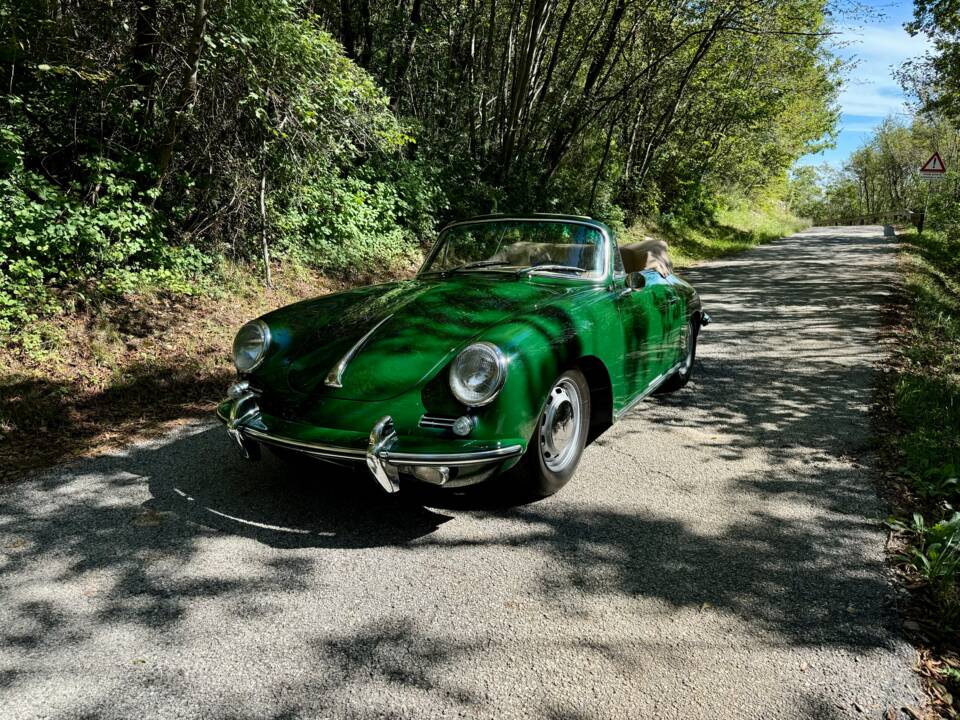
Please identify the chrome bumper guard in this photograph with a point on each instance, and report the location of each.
(381, 459)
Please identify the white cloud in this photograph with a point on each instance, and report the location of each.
(871, 89)
(856, 126)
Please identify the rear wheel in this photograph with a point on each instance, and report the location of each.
(554, 450)
(683, 373)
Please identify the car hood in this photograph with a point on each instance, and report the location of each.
(401, 332)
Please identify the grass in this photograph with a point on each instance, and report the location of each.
(735, 230)
(926, 396)
(921, 412)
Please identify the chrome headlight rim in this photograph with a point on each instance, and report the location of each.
(265, 339)
(501, 363)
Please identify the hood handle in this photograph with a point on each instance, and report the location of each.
(335, 376)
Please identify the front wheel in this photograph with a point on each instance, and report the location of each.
(556, 446)
(683, 373)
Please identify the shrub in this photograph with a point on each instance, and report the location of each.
(935, 556)
(66, 244)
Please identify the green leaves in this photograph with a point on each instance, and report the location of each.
(365, 142)
(101, 234)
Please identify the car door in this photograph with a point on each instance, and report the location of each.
(644, 313)
(676, 319)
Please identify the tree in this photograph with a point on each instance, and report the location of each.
(935, 79)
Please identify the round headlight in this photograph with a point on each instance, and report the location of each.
(251, 345)
(477, 374)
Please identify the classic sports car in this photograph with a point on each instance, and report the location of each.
(518, 339)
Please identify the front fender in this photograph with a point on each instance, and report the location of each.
(542, 346)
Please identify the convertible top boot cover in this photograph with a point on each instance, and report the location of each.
(648, 254)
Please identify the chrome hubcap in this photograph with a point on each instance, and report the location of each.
(560, 426)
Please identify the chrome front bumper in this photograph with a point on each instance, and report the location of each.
(382, 458)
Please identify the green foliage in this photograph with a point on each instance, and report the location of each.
(805, 194)
(927, 394)
(96, 236)
(348, 225)
(735, 229)
(926, 404)
(93, 209)
(935, 556)
(882, 176)
(297, 113)
(145, 143)
(935, 78)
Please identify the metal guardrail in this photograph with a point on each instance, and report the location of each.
(885, 218)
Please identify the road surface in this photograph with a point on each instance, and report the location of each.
(719, 554)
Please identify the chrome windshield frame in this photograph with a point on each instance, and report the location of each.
(607, 249)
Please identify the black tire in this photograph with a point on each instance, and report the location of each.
(547, 467)
(682, 376)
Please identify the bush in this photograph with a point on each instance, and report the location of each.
(98, 237)
(935, 556)
(346, 225)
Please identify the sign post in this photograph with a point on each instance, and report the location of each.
(932, 170)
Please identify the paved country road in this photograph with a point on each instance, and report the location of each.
(719, 554)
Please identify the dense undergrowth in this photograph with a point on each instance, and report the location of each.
(924, 448)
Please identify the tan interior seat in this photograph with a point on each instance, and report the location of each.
(649, 254)
(524, 254)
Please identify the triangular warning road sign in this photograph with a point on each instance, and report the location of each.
(934, 165)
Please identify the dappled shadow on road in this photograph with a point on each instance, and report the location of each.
(821, 304)
(798, 581)
(116, 555)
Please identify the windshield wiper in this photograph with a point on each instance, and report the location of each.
(475, 265)
(551, 268)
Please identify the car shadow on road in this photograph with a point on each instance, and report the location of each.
(280, 503)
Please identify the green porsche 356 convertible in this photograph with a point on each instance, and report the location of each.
(518, 339)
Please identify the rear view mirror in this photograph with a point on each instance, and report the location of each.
(636, 281)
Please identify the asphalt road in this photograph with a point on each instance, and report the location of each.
(719, 554)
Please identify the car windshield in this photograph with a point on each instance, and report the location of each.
(520, 246)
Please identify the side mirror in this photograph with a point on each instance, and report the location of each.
(636, 281)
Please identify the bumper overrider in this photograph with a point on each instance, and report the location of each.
(384, 454)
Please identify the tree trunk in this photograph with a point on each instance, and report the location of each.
(601, 166)
(264, 241)
(347, 36)
(409, 45)
(146, 42)
(188, 91)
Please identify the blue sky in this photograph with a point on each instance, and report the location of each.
(871, 93)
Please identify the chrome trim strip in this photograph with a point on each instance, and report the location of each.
(454, 459)
(394, 458)
(335, 376)
(436, 421)
(651, 388)
(318, 449)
